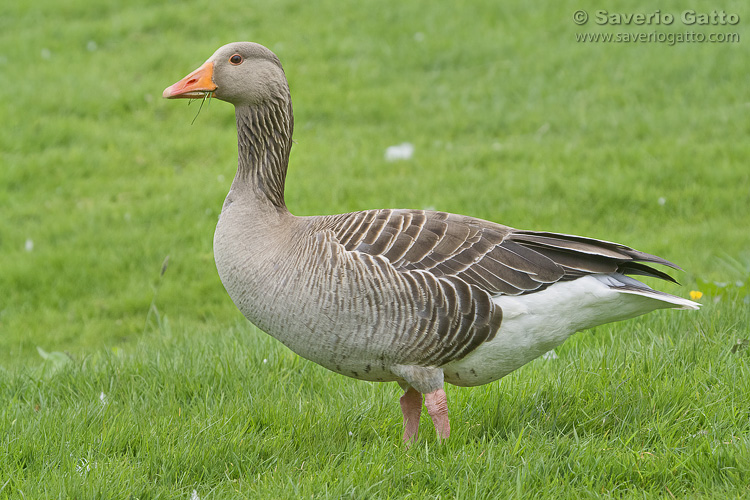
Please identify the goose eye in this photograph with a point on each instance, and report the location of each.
(236, 59)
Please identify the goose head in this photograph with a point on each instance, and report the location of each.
(241, 73)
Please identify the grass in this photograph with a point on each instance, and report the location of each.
(511, 119)
(627, 409)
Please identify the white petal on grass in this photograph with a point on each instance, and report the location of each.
(83, 466)
(403, 151)
(194, 495)
(549, 355)
(662, 200)
(265, 361)
(103, 398)
(29, 245)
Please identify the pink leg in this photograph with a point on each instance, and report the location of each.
(437, 406)
(411, 407)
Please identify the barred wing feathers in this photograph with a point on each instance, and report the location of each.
(452, 267)
(494, 258)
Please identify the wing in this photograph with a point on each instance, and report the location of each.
(496, 259)
(448, 267)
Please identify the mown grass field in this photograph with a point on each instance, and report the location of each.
(123, 378)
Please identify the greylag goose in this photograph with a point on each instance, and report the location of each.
(412, 296)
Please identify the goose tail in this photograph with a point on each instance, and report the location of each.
(626, 284)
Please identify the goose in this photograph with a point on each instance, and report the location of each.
(417, 297)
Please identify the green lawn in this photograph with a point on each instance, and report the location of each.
(122, 379)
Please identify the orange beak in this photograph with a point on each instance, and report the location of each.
(194, 86)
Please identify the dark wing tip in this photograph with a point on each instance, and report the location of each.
(627, 260)
(640, 269)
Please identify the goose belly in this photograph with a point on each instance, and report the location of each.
(316, 312)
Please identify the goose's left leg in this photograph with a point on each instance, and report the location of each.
(437, 406)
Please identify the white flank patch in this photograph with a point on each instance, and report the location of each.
(535, 323)
(403, 151)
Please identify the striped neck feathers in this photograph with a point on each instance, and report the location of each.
(264, 138)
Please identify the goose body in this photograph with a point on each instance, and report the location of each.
(416, 297)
